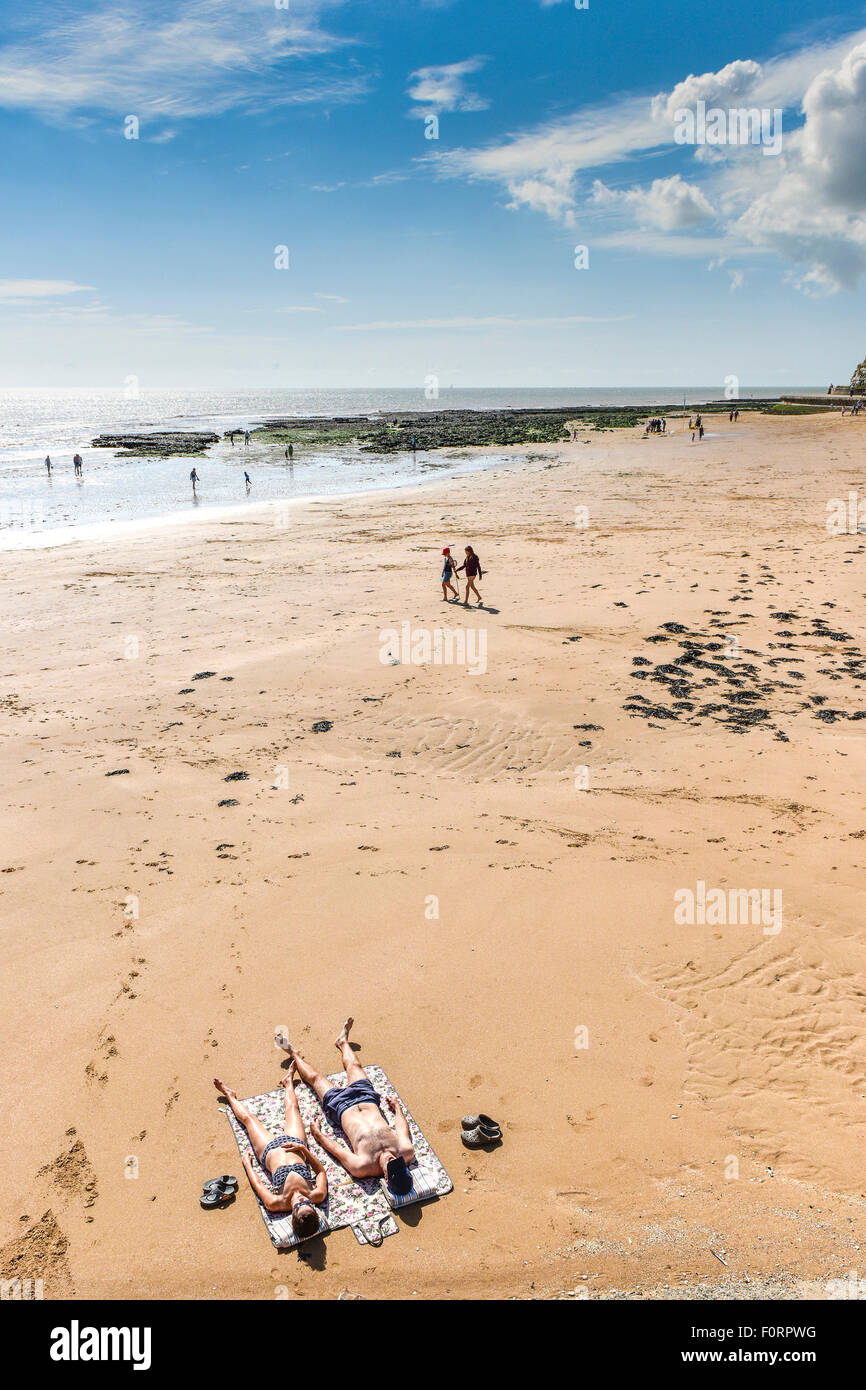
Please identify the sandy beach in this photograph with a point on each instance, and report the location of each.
(682, 1101)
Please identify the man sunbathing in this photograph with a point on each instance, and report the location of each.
(377, 1149)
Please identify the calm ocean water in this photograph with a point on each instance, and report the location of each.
(36, 510)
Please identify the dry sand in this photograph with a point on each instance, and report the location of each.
(718, 1104)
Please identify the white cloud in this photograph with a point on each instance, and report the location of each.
(806, 205)
(812, 209)
(833, 147)
(444, 88)
(669, 204)
(489, 321)
(729, 86)
(539, 167)
(171, 58)
(299, 309)
(336, 298)
(38, 289)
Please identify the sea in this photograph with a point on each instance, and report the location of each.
(115, 495)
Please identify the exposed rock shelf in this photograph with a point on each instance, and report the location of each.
(160, 444)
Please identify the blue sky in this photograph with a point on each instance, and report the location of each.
(261, 126)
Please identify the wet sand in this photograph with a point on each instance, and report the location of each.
(670, 698)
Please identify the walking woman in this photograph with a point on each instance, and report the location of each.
(472, 566)
(293, 1188)
(448, 568)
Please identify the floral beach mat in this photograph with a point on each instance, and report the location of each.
(356, 1202)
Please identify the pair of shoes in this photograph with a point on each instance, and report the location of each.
(480, 1130)
(218, 1192)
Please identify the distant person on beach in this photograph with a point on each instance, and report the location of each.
(447, 573)
(472, 566)
(298, 1182)
(700, 433)
(76, 464)
(48, 464)
(193, 477)
(247, 480)
(246, 436)
(377, 1151)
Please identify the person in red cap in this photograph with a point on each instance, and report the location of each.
(447, 572)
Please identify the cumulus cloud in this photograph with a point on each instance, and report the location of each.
(444, 88)
(806, 205)
(669, 204)
(813, 212)
(539, 168)
(833, 148)
(729, 86)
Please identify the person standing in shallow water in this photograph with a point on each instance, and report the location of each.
(472, 566)
(48, 464)
(193, 477)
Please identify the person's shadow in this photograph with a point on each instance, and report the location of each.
(412, 1215)
(313, 1253)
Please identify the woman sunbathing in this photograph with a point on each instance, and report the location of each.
(293, 1187)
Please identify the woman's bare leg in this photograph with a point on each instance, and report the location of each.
(294, 1124)
(314, 1079)
(258, 1135)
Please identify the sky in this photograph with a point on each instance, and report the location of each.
(308, 193)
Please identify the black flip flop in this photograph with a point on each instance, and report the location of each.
(225, 1184)
(212, 1199)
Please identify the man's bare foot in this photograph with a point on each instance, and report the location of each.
(344, 1036)
(226, 1090)
(289, 1078)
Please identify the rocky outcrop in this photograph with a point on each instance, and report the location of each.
(160, 444)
